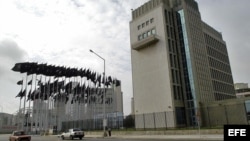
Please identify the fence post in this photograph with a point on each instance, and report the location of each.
(226, 113)
(154, 120)
(166, 120)
(209, 122)
(144, 121)
(117, 121)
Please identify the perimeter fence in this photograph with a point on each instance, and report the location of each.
(210, 117)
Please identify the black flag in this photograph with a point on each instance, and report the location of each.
(20, 82)
(30, 82)
(21, 67)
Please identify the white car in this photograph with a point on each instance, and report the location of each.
(73, 133)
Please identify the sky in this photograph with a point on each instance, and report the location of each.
(61, 32)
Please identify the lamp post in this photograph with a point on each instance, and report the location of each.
(1, 118)
(1, 108)
(104, 95)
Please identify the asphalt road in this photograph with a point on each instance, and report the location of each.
(5, 137)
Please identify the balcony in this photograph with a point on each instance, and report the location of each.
(145, 42)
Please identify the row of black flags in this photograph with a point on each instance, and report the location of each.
(82, 91)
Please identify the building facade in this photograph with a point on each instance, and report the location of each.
(240, 86)
(7, 123)
(178, 61)
(242, 90)
(63, 111)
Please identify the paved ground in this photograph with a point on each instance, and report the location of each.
(4, 137)
(184, 137)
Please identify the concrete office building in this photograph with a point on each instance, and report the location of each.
(240, 86)
(7, 123)
(178, 61)
(242, 90)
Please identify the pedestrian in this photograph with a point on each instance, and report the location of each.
(109, 130)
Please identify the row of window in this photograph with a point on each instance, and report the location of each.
(223, 87)
(177, 92)
(219, 65)
(221, 96)
(145, 23)
(218, 55)
(215, 43)
(146, 34)
(221, 76)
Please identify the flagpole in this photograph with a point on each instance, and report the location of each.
(47, 107)
(28, 119)
(19, 115)
(39, 107)
(52, 103)
(24, 103)
(20, 103)
(32, 118)
(56, 104)
(79, 102)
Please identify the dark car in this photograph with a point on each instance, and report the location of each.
(19, 136)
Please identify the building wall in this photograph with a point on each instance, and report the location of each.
(118, 99)
(199, 74)
(242, 90)
(240, 85)
(150, 65)
(7, 123)
(229, 111)
(219, 64)
(174, 69)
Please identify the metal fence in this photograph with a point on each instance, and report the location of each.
(94, 124)
(224, 114)
(211, 117)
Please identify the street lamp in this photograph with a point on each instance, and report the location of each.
(1, 119)
(1, 108)
(104, 97)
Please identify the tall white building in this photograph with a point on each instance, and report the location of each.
(178, 61)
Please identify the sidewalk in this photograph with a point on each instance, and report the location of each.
(206, 134)
(182, 137)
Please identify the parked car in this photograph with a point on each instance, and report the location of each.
(73, 133)
(19, 136)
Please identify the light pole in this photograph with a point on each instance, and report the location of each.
(1, 118)
(104, 95)
(1, 108)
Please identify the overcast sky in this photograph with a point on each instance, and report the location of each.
(61, 32)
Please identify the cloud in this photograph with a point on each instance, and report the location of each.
(10, 53)
(61, 33)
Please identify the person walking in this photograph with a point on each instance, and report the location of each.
(109, 130)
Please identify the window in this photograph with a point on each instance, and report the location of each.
(152, 20)
(146, 34)
(149, 33)
(145, 23)
(139, 37)
(153, 31)
(139, 27)
(142, 25)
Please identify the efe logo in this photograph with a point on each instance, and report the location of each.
(236, 132)
(241, 132)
